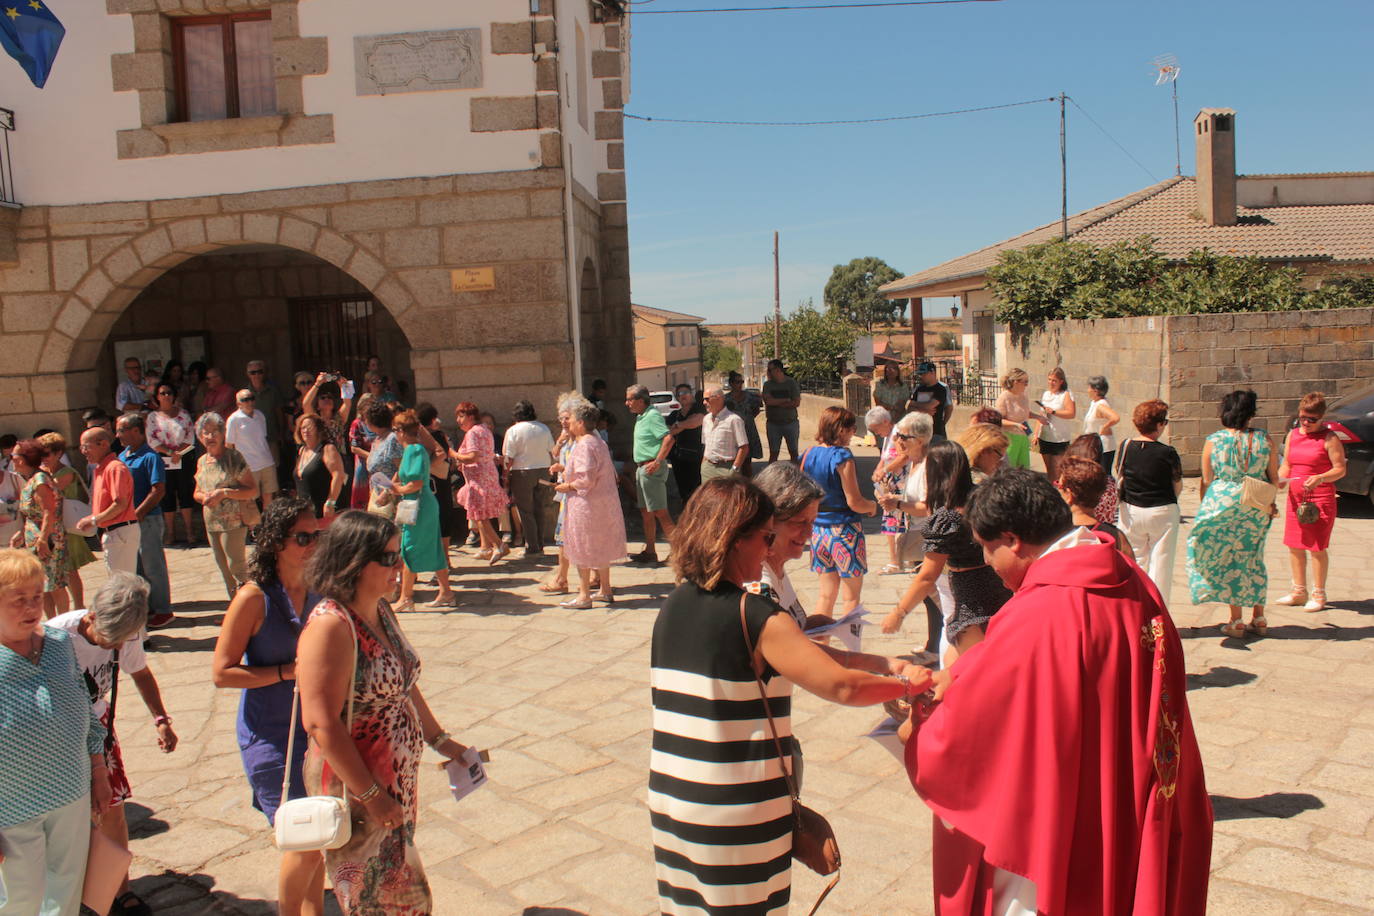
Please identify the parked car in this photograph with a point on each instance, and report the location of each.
(665, 402)
(1352, 420)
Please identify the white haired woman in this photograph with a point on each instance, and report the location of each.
(593, 528)
(557, 583)
(226, 488)
(913, 433)
(889, 477)
(51, 752)
(107, 639)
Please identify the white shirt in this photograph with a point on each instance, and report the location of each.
(1092, 423)
(722, 436)
(527, 445)
(1058, 428)
(94, 661)
(249, 436)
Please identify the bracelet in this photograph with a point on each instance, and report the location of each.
(280, 676)
(438, 739)
(905, 682)
(370, 794)
(163, 719)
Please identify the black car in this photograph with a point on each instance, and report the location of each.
(1352, 420)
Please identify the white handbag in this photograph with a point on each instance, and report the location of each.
(316, 821)
(407, 512)
(1255, 493)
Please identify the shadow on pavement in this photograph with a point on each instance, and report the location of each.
(1327, 632)
(173, 893)
(1359, 607)
(1220, 676)
(142, 824)
(550, 911)
(1274, 804)
(1350, 506)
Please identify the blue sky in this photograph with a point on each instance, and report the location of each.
(704, 201)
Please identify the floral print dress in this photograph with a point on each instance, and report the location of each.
(55, 566)
(378, 871)
(1226, 545)
(481, 494)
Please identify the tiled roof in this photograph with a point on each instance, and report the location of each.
(663, 316)
(1166, 211)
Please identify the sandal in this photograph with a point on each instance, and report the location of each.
(891, 569)
(600, 598)
(1317, 602)
(499, 555)
(1235, 629)
(576, 604)
(131, 904)
(403, 607)
(1258, 625)
(449, 600)
(1295, 598)
(553, 588)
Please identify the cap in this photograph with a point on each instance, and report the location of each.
(925, 365)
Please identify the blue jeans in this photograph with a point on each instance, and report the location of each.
(777, 432)
(152, 563)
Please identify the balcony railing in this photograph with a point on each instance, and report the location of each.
(7, 195)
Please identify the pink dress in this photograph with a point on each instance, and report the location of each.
(593, 528)
(1306, 456)
(481, 495)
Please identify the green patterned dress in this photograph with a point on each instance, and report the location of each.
(1226, 546)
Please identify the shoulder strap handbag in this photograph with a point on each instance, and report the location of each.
(316, 821)
(813, 840)
(1254, 493)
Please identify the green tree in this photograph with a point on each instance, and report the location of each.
(852, 292)
(814, 344)
(718, 356)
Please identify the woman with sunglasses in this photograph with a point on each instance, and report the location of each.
(1313, 460)
(354, 567)
(323, 399)
(170, 432)
(256, 652)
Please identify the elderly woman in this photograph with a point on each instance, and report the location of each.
(1226, 543)
(1100, 419)
(913, 433)
(1015, 408)
(1313, 460)
(319, 471)
(889, 477)
(422, 547)
(481, 496)
(1151, 479)
(1053, 430)
(51, 752)
(40, 505)
(975, 588)
(383, 457)
(170, 432)
(1089, 446)
(1081, 482)
(353, 661)
(724, 663)
(985, 444)
(71, 485)
(256, 652)
(114, 623)
(593, 527)
(557, 583)
(226, 488)
(838, 552)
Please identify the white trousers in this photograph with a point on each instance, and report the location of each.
(121, 547)
(45, 861)
(1153, 534)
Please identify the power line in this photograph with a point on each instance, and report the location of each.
(913, 117)
(790, 8)
(1142, 165)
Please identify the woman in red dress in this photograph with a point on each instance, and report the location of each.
(1313, 460)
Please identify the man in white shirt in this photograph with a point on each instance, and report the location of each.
(725, 441)
(131, 397)
(246, 430)
(527, 451)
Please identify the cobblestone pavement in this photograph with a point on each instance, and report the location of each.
(561, 698)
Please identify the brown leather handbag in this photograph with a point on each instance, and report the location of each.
(813, 840)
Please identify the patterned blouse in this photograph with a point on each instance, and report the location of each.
(212, 474)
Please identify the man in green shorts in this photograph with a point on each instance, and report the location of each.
(652, 442)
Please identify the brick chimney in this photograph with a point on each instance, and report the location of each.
(1216, 165)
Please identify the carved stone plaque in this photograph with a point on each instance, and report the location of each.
(418, 61)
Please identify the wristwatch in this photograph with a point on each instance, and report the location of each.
(905, 682)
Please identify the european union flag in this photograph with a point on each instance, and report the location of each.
(31, 34)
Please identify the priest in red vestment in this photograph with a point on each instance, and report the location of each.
(1060, 760)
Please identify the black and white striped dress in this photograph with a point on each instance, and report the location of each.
(722, 819)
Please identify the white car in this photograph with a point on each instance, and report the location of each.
(665, 402)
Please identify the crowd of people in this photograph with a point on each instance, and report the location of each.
(346, 502)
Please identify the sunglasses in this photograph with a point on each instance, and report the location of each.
(243, 400)
(305, 538)
(255, 372)
(388, 559)
(1303, 418)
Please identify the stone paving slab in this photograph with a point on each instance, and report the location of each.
(561, 698)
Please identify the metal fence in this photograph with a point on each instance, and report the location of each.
(967, 387)
(826, 388)
(7, 195)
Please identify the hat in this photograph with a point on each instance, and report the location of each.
(925, 365)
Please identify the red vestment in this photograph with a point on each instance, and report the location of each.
(1063, 751)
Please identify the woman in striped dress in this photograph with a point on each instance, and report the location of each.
(721, 815)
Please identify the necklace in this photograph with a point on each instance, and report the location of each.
(33, 652)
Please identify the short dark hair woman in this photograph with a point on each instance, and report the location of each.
(355, 565)
(1151, 479)
(978, 592)
(722, 823)
(1226, 543)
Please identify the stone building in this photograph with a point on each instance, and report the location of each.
(667, 348)
(441, 184)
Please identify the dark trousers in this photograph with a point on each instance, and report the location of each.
(527, 493)
(687, 473)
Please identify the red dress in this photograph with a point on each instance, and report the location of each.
(1306, 456)
(1063, 752)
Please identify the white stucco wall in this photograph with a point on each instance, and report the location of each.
(64, 144)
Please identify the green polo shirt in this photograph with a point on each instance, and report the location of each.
(649, 432)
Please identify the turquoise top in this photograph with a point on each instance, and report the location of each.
(48, 731)
(649, 432)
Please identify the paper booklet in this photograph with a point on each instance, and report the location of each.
(466, 774)
(848, 629)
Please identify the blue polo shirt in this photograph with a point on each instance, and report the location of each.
(147, 471)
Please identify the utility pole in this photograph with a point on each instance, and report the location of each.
(1063, 174)
(777, 303)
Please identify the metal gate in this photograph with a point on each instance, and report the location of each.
(333, 332)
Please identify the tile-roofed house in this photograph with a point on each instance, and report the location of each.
(1321, 224)
(667, 348)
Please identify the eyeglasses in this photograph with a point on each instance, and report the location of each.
(305, 538)
(255, 372)
(1306, 418)
(902, 437)
(246, 400)
(388, 559)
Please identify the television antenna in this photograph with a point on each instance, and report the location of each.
(1165, 68)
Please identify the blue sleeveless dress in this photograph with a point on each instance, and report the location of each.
(265, 712)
